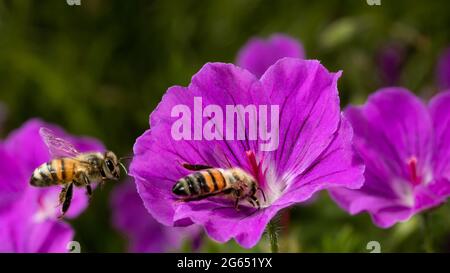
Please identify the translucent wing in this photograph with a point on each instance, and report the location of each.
(57, 146)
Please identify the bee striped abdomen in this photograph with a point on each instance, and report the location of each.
(43, 176)
(218, 179)
(55, 172)
(200, 183)
(67, 169)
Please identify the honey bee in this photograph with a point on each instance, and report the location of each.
(207, 181)
(70, 167)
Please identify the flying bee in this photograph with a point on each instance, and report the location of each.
(70, 167)
(207, 181)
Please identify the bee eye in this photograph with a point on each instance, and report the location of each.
(110, 165)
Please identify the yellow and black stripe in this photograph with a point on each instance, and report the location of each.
(57, 171)
(201, 183)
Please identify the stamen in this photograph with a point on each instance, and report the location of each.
(412, 164)
(256, 171)
(253, 164)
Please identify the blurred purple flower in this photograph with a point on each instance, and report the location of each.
(257, 55)
(145, 234)
(443, 70)
(406, 148)
(390, 61)
(28, 215)
(3, 113)
(312, 134)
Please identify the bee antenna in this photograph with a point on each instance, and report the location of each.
(124, 168)
(125, 157)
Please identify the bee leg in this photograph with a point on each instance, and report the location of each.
(88, 186)
(62, 195)
(89, 191)
(251, 202)
(194, 167)
(256, 201)
(67, 200)
(236, 203)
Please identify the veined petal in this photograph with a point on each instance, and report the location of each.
(440, 112)
(324, 173)
(308, 98)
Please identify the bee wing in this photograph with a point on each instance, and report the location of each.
(57, 146)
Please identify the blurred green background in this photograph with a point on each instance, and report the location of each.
(99, 69)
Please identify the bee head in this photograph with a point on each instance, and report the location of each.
(111, 166)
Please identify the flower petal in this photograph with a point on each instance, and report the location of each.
(257, 55)
(440, 113)
(325, 173)
(309, 105)
(144, 232)
(20, 234)
(49, 237)
(223, 223)
(10, 192)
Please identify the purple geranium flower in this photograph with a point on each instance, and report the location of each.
(28, 215)
(443, 70)
(3, 113)
(312, 138)
(406, 148)
(145, 233)
(259, 54)
(390, 60)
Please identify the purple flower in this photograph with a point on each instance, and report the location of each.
(28, 215)
(390, 61)
(258, 55)
(145, 233)
(312, 138)
(3, 113)
(405, 145)
(443, 70)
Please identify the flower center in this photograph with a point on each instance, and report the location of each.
(264, 174)
(413, 173)
(254, 165)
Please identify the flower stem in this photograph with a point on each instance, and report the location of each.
(272, 232)
(427, 234)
